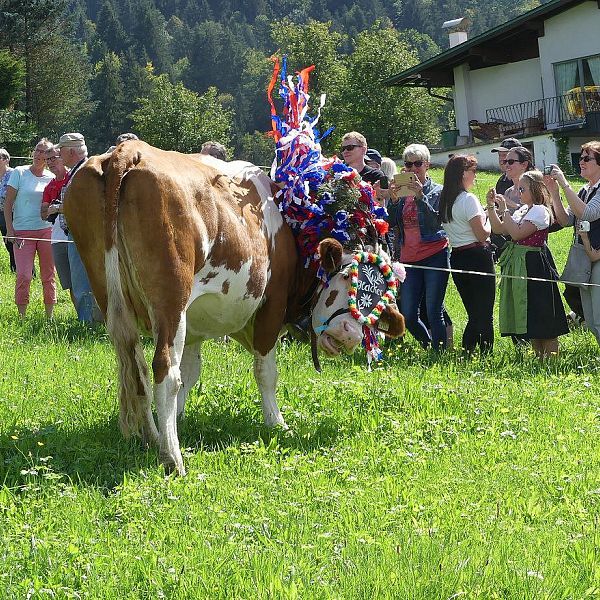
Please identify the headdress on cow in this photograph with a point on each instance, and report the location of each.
(320, 197)
(325, 198)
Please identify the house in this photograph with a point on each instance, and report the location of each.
(536, 78)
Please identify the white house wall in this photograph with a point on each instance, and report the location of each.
(544, 152)
(569, 35)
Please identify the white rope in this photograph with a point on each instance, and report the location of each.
(446, 270)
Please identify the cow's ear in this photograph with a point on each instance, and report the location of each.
(330, 251)
(391, 322)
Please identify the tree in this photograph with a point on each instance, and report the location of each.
(175, 118)
(12, 78)
(25, 27)
(109, 117)
(59, 83)
(257, 148)
(389, 117)
(15, 132)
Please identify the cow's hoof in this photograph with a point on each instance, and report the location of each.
(276, 422)
(171, 465)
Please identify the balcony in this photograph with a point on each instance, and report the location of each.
(577, 108)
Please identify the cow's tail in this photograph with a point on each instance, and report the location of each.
(135, 395)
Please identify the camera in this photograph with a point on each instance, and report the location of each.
(548, 170)
(584, 225)
(51, 218)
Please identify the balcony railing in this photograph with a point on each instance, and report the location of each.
(525, 118)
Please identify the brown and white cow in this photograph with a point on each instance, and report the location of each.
(186, 249)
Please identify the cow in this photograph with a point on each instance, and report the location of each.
(186, 248)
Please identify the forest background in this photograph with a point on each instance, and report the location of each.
(180, 72)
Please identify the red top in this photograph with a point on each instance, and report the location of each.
(414, 249)
(537, 238)
(52, 190)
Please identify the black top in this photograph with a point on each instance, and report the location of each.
(371, 175)
(503, 184)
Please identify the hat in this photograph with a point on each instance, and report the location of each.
(507, 144)
(373, 155)
(71, 140)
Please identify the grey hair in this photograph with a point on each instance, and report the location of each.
(4, 153)
(214, 149)
(388, 167)
(419, 150)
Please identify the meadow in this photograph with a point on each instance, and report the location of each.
(431, 477)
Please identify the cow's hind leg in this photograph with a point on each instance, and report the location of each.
(167, 381)
(191, 362)
(265, 373)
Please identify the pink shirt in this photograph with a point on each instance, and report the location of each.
(414, 248)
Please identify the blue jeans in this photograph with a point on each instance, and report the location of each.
(431, 284)
(80, 285)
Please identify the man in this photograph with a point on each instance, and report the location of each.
(505, 145)
(373, 159)
(214, 149)
(73, 152)
(49, 211)
(354, 149)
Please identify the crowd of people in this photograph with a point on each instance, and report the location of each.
(435, 227)
(432, 228)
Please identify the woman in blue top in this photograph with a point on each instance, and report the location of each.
(30, 233)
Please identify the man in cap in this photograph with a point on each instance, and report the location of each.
(373, 158)
(505, 145)
(73, 152)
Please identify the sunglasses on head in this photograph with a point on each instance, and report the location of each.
(409, 163)
(586, 158)
(512, 161)
(349, 147)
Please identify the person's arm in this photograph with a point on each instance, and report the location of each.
(481, 229)
(495, 222)
(517, 231)
(562, 216)
(591, 252)
(11, 194)
(576, 204)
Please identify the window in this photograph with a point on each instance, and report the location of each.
(580, 73)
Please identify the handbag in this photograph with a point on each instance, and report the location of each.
(578, 268)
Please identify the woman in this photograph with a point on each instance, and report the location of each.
(23, 220)
(583, 206)
(530, 309)
(5, 172)
(464, 221)
(419, 240)
(518, 161)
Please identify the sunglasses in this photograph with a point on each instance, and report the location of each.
(512, 161)
(349, 147)
(586, 158)
(49, 158)
(409, 163)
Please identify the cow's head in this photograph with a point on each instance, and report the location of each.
(336, 329)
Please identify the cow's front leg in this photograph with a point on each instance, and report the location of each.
(191, 363)
(167, 381)
(265, 373)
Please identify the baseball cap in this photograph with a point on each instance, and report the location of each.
(71, 140)
(373, 155)
(507, 144)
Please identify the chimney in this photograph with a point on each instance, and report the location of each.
(457, 30)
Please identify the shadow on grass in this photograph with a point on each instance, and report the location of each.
(67, 330)
(99, 456)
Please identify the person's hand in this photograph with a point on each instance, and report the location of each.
(551, 184)
(491, 198)
(53, 208)
(417, 187)
(501, 202)
(394, 194)
(10, 233)
(558, 176)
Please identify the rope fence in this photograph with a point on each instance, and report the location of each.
(406, 266)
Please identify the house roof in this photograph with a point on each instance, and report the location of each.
(513, 41)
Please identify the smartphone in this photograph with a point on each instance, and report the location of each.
(402, 181)
(384, 183)
(548, 170)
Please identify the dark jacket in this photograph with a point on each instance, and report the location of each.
(427, 210)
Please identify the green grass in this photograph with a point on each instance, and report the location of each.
(430, 477)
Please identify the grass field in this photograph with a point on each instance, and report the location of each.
(430, 477)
